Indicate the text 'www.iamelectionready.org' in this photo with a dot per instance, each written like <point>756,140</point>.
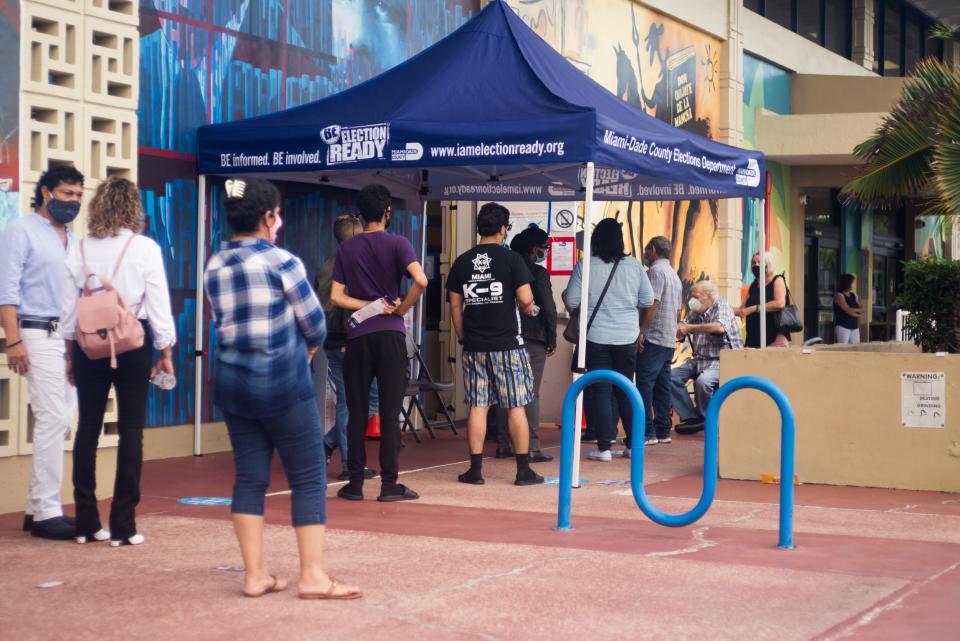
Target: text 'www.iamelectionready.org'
<point>535,148</point>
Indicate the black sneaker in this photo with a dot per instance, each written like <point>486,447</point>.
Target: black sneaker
<point>367,474</point>
<point>55,529</point>
<point>28,521</point>
<point>504,452</point>
<point>539,457</point>
<point>528,478</point>
<point>399,492</point>
<point>350,493</point>
<point>690,427</point>
<point>471,479</point>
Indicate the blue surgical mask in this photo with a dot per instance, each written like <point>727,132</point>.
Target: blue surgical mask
<point>541,256</point>
<point>63,211</point>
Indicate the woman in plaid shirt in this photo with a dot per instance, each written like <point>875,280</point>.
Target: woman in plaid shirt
<point>269,324</point>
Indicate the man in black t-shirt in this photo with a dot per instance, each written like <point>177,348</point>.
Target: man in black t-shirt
<point>489,286</point>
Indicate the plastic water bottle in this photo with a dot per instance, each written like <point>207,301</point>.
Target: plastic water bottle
<point>164,381</point>
<point>536,310</point>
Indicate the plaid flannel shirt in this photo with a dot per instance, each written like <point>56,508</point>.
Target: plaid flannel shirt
<point>706,347</point>
<point>266,314</point>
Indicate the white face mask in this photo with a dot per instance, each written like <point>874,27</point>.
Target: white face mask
<point>694,305</point>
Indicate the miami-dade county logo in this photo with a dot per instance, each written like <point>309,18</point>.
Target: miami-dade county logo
<point>413,151</point>
<point>354,144</point>
<point>481,262</point>
<point>749,176</point>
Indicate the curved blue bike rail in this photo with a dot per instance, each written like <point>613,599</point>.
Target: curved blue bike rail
<point>710,458</point>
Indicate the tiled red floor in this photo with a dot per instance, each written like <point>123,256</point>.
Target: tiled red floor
<point>915,582</point>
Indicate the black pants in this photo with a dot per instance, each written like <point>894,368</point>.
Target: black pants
<point>381,356</point>
<point>610,404</point>
<point>94,379</point>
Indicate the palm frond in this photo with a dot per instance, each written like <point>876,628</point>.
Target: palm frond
<point>946,159</point>
<point>898,165</point>
<point>898,155</point>
<point>946,32</point>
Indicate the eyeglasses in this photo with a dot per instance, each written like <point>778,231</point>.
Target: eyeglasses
<point>509,226</point>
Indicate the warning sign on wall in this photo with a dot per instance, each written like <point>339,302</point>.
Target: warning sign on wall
<point>923,399</point>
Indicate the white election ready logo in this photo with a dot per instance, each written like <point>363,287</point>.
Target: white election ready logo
<point>355,144</point>
<point>749,176</point>
<point>413,151</point>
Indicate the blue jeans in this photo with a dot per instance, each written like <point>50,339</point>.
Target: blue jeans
<point>608,403</point>
<point>296,435</point>
<point>653,381</point>
<point>337,437</point>
<point>705,383</point>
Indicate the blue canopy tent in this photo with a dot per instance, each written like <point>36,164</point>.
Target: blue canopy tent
<point>489,112</point>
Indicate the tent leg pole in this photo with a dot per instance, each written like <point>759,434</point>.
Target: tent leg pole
<point>762,280</point>
<point>584,306</point>
<point>198,346</point>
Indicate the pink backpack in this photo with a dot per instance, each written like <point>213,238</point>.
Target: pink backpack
<point>105,326</point>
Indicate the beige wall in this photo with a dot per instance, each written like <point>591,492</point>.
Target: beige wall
<point>158,443</point>
<point>847,408</point>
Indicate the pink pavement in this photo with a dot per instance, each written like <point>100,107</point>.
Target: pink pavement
<point>484,562</point>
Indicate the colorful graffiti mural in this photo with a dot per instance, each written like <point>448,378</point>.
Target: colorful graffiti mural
<point>9,111</point>
<point>765,86</point>
<point>207,62</point>
<point>669,70</point>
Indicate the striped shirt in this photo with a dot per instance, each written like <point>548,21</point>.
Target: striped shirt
<point>706,347</point>
<point>266,314</point>
<point>667,289</point>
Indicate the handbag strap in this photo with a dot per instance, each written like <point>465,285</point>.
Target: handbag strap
<point>603,293</point>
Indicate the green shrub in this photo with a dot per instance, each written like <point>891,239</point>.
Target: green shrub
<point>931,293</point>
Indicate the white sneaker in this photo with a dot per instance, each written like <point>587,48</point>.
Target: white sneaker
<point>651,441</point>
<point>99,535</point>
<point>665,440</point>
<point>597,455</point>
<point>626,452</point>
<point>136,539</point>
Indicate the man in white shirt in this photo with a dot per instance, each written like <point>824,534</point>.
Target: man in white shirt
<point>33,249</point>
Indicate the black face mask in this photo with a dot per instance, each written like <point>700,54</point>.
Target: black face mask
<point>63,211</point>
<point>756,271</point>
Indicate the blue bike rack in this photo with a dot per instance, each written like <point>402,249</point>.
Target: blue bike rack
<point>710,458</point>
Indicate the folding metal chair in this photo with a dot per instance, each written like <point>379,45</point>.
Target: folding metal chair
<point>423,384</point>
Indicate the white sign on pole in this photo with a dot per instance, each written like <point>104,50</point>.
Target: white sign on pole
<point>923,399</point>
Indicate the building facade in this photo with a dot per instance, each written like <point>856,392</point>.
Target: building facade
<point>119,88</point>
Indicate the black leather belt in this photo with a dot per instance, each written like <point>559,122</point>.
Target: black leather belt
<point>49,325</point>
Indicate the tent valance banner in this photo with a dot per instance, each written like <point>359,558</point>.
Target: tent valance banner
<point>490,112</point>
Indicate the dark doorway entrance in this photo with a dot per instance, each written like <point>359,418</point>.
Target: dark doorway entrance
<point>821,262</point>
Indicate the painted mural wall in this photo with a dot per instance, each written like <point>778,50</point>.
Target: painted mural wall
<point>668,69</point>
<point>9,111</point>
<point>205,61</point>
<point>766,86</point>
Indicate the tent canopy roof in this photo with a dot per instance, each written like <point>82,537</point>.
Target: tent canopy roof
<point>491,111</point>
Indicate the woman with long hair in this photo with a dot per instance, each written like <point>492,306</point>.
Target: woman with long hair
<point>115,253</point>
<point>269,324</point>
<point>847,311</point>
<point>615,328</point>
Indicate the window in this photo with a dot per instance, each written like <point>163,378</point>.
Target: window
<point>901,37</point>
<point>829,23</point>
<point>838,25</point>
<point>877,36</point>
<point>892,40</point>
<point>780,11</point>
<point>823,206</point>
<point>809,21</point>
<point>912,44</point>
